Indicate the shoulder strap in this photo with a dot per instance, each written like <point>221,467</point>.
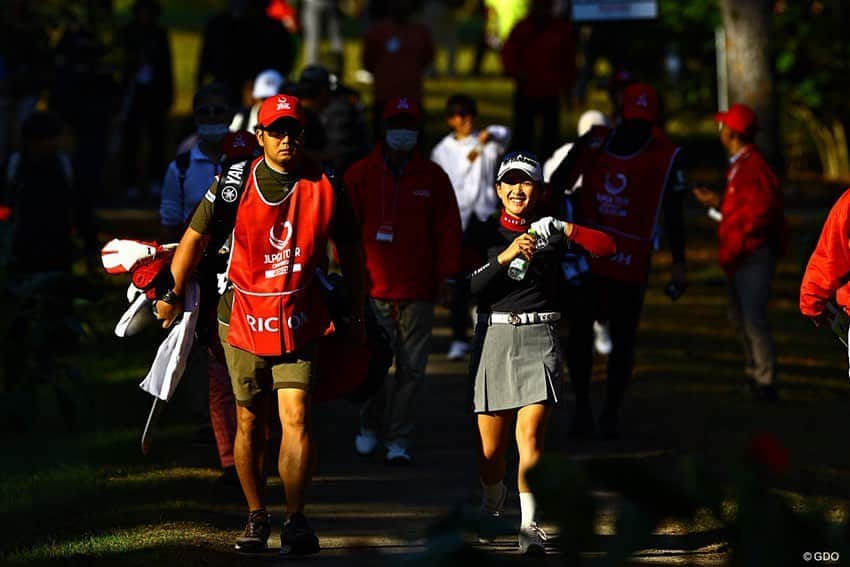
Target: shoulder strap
<point>231,185</point>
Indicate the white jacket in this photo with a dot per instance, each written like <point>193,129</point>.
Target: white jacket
<point>474,182</point>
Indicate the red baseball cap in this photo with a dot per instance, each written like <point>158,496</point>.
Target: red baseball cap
<point>239,145</point>
<point>739,118</point>
<point>402,105</point>
<point>277,107</point>
<point>640,102</point>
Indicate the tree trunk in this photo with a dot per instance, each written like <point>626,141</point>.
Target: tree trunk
<point>750,66</point>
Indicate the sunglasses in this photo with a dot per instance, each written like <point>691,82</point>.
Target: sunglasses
<point>460,113</point>
<point>278,133</point>
<point>211,110</point>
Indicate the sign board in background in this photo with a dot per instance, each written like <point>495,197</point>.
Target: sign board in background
<point>602,10</point>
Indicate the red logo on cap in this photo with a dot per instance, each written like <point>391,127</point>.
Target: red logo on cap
<point>402,104</point>
<point>642,102</point>
<point>283,104</point>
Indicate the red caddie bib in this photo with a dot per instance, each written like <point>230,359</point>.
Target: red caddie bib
<point>277,247</point>
<point>622,196</point>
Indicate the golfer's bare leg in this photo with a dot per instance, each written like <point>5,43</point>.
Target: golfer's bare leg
<point>531,426</point>
<point>249,448</point>
<point>494,432</point>
<point>296,446</point>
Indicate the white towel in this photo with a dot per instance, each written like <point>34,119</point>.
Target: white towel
<point>171,357</point>
<point>138,316</point>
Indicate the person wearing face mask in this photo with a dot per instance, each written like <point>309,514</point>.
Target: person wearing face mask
<point>412,237</point>
<point>186,181</point>
<point>516,359</point>
<point>188,176</point>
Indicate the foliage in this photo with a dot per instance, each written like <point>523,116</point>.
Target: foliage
<point>762,528</point>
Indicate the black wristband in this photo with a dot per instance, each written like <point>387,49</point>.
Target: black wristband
<point>170,297</point>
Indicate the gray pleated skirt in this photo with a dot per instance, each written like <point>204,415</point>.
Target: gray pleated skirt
<point>515,366</point>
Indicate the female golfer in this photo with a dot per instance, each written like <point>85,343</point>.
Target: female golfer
<point>516,359</point>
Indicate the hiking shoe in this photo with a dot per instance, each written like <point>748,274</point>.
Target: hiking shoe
<point>256,536</point>
<point>366,442</point>
<point>490,522</point>
<point>532,540</point>
<point>397,455</point>
<point>297,537</point>
<point>458,350</point>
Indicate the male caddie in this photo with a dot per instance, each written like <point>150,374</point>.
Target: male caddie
<point>273,313</point>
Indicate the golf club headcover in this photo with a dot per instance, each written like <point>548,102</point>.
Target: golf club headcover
<point>120,256</point>
<point>596,242</point>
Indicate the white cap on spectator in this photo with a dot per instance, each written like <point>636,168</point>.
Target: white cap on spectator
<point>589,119</point>
<point>267,84</point>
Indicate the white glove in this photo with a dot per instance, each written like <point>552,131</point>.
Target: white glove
<point>547,226</point>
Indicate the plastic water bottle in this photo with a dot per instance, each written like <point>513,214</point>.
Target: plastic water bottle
<point>519,265</point>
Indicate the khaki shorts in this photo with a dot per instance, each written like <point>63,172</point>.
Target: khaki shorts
<point>251,375</point>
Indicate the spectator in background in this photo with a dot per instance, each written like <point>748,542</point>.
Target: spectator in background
<point>241,42</point>
<point>186,182</point>
<point>630,175</point>
<point>469,157</point>
<point>48,203</point>
<point>267,83</point>
<point>82,94</point>
<point>314,15</point>
<point>188,176</point>
<point>26,66</point>
<point>574,263</point>
<point>335,109</point>
<point>148,88</point>
<point>411,238</point>
<point>397,52</point>
<point>540,56</point>
<point>439,16</point>
<point>751,235</point>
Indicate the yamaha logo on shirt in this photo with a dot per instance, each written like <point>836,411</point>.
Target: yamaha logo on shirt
<point>229,194</point>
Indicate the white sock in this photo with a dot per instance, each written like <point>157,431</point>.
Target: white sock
<point>492,497</point>
<point>528,509</point>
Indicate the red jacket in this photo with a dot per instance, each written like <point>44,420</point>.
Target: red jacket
<point>829,267</point>
<point>752,208</point>
<point>397,55</point>
<point>424,224</point>
<point>542,60</point>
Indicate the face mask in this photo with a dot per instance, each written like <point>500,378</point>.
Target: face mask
<point>402,140</point>
<point>212,132</point>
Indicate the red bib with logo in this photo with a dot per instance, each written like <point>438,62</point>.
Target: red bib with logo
<point>277,247</point>
<point>622,196</point>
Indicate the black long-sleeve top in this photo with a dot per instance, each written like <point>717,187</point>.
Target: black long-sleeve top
<point>626,140</point>
<point>495,291</point>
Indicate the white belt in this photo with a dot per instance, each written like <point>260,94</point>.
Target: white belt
<point>518,318</point>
